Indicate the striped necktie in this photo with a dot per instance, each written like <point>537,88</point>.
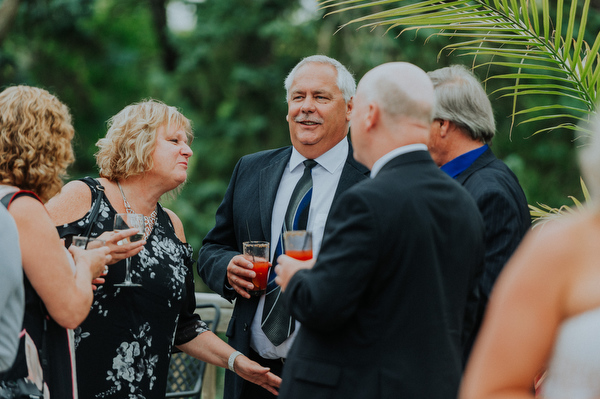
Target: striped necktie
<point>277,323</point>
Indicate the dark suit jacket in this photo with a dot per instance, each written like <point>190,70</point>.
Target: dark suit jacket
<point>505,212</point>
<point>382,310</point>
<point>248,204</point>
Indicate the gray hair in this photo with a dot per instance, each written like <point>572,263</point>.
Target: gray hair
<point>461,99</point>
<point>345,80</point>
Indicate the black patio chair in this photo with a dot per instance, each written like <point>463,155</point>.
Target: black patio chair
<point>186,373</point>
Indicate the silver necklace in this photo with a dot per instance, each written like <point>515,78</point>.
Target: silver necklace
<point>148,220</point>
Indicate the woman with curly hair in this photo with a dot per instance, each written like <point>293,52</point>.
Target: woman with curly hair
<point>124,345</point>
<point>35,151</point>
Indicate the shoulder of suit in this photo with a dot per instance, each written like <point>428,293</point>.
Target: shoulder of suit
<point>267,155</point>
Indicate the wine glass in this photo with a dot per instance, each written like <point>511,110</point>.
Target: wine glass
<point>124,221</point>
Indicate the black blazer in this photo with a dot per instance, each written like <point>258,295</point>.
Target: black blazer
<point>382,310</point>
<point>505,213</point>
<point>504,208</point>
<point>248,204</point>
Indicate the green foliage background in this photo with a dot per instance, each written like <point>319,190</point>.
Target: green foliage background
<point>226,75</point>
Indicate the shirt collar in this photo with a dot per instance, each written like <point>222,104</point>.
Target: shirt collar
<point>393,154</point>
<point>331,160</point>
<point>462,162</point>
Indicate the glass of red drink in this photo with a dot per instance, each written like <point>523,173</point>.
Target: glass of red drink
<point>258,252</point>
<point>298,244</point>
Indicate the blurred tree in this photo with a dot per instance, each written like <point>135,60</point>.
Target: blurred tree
<point>8,12</point>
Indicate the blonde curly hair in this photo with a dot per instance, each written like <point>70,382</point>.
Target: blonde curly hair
<point>35,140</point>
<point>131,138</point>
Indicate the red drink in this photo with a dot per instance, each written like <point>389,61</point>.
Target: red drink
<point>260,281</point>
<point>300,254</point>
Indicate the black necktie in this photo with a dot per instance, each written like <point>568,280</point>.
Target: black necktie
<point>277,323</point>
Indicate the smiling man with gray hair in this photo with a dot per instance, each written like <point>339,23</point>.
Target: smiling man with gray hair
<point>319,93</point>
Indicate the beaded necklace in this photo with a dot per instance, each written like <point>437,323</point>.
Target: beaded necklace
<point>148,220</point>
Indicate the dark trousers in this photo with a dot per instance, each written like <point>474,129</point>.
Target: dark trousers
<point>253,391</point>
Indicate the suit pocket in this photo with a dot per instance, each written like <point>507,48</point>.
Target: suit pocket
<point>317,373</point>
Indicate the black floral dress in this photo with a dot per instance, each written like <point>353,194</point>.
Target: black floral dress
<point>123,347</point>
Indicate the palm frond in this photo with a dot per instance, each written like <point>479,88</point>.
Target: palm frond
<point>544,213</point>
<point>542,45</point>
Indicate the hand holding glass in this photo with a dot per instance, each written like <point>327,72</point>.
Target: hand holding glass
<point>124,221</point>
<point>88,242</point>
<point>298,244</point>
<point>91,243</point>
<point>258,252</point>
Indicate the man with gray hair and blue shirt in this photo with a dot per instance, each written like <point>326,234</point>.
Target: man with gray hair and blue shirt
<point>319,93</point>
<point>459,143</point>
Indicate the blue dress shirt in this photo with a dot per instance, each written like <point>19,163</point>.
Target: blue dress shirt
<point>462,162</point>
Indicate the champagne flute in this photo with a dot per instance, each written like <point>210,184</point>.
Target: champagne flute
<point>124,221</point>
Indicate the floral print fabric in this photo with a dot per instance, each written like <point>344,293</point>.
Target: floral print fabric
<point>123,347</point>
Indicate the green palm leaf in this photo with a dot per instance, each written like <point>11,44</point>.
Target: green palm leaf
<point>538,46</point>
<point>548,57</point>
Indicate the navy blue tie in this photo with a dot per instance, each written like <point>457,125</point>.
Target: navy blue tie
<point>277,324</point>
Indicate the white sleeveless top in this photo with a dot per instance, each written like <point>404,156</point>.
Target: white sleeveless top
<point>574,368</point>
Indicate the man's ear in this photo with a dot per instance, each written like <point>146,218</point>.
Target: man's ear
<point>349,107</point>
<point>444,127</point>
<point>372,116</point>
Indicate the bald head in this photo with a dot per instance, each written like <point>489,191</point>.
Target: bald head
<point>400,89</point>
<point>393,107</point>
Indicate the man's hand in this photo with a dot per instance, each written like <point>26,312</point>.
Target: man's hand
<point>240,275</point>
<point>287,267</point>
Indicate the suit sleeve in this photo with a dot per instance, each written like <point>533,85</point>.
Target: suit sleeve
<point>503,232</point>
<point>344,268</point>
<point>220,245</point>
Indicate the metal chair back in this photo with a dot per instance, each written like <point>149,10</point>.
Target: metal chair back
<point>186,373</point>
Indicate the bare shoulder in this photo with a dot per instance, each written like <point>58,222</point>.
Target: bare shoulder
<point>71,203</point>
<point>550,257</point>
<point>177,225</point>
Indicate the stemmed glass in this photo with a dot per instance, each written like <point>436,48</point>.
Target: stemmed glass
<point>124,221</point>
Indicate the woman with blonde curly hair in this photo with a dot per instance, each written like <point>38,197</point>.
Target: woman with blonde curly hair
<point>35,151</point>
<point>144,155</point>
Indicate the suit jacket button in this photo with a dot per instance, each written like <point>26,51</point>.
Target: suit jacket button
<point>245,327</point>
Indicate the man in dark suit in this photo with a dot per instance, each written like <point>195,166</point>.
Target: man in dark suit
<point>382,308</point>
<point>319,95</point>
<point>461,133</point>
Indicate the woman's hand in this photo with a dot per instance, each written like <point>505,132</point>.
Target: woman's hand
<point>94,260</point>
<point>259,375</point>
<point>120,247</point>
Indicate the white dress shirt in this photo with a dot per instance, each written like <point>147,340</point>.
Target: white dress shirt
<point>326,176</point>
<point>393,154</point>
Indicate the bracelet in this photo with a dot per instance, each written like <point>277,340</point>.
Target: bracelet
<point>232,360</point>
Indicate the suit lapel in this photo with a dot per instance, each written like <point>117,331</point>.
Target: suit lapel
<point>352,173</point>
<point>269,179</point>
<point>484,159</point>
